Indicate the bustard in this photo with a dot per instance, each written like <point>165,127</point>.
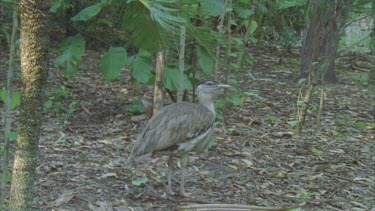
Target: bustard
<point>182,127</point>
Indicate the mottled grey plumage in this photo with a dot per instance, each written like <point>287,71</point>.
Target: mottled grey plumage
<point>182,126</point>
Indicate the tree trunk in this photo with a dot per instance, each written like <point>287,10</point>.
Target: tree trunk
<point>335,21</point>
<point>372,71</point>
<point>34,67</point>
<point>220,30</point>
<point>158,89</point>
<point>322,33</point>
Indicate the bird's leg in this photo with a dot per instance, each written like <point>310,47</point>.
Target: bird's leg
<point>183,168</point>
<point>170,170</point>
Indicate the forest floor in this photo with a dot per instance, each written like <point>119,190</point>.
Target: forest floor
<point>259,157</point>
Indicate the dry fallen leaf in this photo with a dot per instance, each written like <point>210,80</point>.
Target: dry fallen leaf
<point>109,175</point>
<point>63,198</point>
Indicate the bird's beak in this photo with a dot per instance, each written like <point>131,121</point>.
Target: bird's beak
<point>223,86</point>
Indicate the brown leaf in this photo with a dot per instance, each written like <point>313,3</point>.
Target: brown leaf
<point>63,198</point>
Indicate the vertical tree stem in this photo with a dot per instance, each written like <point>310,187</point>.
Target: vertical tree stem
<point>158,90</point>
<point>8,118</point>
<point>181,64</point>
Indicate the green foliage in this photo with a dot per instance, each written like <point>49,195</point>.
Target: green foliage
<point>284,4</point>
<point>211,8</point>
<point>170,79</point>
<point>139,182</point>
<point>303,197</point>
<point>59,5</point>
<point>141,68</point>
<point>57,103</point>
<point>16,98</point>
<point>112,63</point>
<point>293,123</point>
<point>271,118</point>
<point>360,125</point>
<point>12,136</point>
<point>211,143</point>
<point>136,107</point>
<point>71,49</point>
<point>150,22</point>
<point>88,12</point>
<point>204,61</point>
<point>316,151</point>
<point>9,178</point>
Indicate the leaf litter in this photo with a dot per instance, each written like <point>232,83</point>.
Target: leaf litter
<point>259,158</point>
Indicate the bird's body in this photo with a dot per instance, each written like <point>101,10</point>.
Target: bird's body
<point>175,126</point>
<point>181,127</point>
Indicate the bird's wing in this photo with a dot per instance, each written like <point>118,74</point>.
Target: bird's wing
<point>173,125</point>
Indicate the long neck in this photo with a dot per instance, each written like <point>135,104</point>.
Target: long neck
<point>206,101</point>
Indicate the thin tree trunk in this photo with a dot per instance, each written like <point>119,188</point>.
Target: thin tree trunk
<point>8,117</point>
<point>220,27</point>
<point>159,72</point>
<point>372,71</point>
<point>181,65</point>
<point>229,51</point>
<point>309,46</point>
<point>34,67</point>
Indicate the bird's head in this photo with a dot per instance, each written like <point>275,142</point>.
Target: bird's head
<point>209,89</point>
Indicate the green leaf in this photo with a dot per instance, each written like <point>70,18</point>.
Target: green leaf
<point>140,182</point>
<point>244,12</point>
<point>254,26</point>
<point>204,61</point>
<point>211,143</point>
<point>360,125</point>
<point>9,178</point>
<point>211,8</point>
<point>56,4</point>
<point>292,123</point>
<point>71,49</point>
<point>302,81</point>
<point>48,103</point>
<point>112,63</point>
<point>238,41</point>
<point>170,79</point>
<point>12,135</point>
<point>136,107</point>
<point>16,98</point>
<point>316,151</point>
<point>142,67</point>
<point>284,4</point>
<point>88,12</point>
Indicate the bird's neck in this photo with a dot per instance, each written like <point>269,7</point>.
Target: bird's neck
<point>207,102</point>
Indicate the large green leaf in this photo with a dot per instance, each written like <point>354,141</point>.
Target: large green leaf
<point>112,63</point>
<point>254,26</point>
<point>142,67</point>
<point>204,61</point>
<point>151,22</point>
<point>71,49</point>
<point>16,98</point>
<point>244,12</point>
<point>284,4</point>
<point>88,12</point>
<point>211,7</point>
<point>170,79</point>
